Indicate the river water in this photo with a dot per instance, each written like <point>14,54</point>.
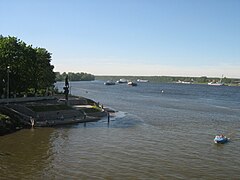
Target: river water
<point>161,131</point>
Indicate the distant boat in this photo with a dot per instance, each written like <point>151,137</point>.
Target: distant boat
<point>184,82</point>
<point>216,84</point>
<point>142,80</point>
<point>219,83</point>
<point>109,83</point>
<point>122,81</point>
<point>132,83</point>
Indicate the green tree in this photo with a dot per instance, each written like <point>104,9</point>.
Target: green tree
<point>12,54</point>
<point>58,76</point>
<point>44,75</point>
<point>74,76</point>
<point>203,79</point>
<point>30,67</point>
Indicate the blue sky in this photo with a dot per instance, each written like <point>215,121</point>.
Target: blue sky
<point>131,37</point>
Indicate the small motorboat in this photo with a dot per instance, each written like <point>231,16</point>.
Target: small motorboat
<point>132,83</point>
<point>109,83</point>
<point>142,80</point>
<point>221,139</point>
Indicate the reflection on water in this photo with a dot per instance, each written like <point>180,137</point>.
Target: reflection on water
<point>154,136</point>
<point>25,153</point>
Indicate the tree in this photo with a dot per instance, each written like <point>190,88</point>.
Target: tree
<point>44,76</point>
<point>74,76</point>
<point>203,79</point>
<point>30,68</point>
<point>12,55</point>
<point>58,76</point>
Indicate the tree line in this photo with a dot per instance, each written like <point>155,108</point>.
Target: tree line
<point>74,76</point>
<point>172,79</point>
<point>23,68</point>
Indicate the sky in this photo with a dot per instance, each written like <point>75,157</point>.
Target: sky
<point>131,37</point>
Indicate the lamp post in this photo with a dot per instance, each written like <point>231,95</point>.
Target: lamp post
<point>8,71</point>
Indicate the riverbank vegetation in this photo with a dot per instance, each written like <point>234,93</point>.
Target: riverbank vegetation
<point>24,70</point>
<point>74,76</point>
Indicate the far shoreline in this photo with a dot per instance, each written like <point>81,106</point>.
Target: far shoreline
<point>203,80</point>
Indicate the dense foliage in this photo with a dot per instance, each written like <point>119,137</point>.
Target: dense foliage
<point>8,125</point>
<point>74,76</point>
<point>29,68</point>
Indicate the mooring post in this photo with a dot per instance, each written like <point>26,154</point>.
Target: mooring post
<point>108,117</point>
<point>84,124</point>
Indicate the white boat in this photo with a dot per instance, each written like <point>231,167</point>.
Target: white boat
<point>184,82</point>
<point>109,83</point>
<point>142,80</point>
<point>216,84</point>
<point>132,83</point>
<point>219,83</point>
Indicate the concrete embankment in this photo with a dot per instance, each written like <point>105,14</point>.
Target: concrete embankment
<point>50,123</point>
<point>26,99</point>
<point>50,111</point>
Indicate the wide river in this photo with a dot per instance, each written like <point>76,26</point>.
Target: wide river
<point>161,131</point>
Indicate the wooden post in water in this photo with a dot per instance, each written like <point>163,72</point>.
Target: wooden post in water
<point>108,117</point>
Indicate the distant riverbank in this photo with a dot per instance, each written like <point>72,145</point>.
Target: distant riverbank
<point>174,79</point>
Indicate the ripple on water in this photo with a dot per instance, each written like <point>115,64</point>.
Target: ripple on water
<point>154,136</point>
